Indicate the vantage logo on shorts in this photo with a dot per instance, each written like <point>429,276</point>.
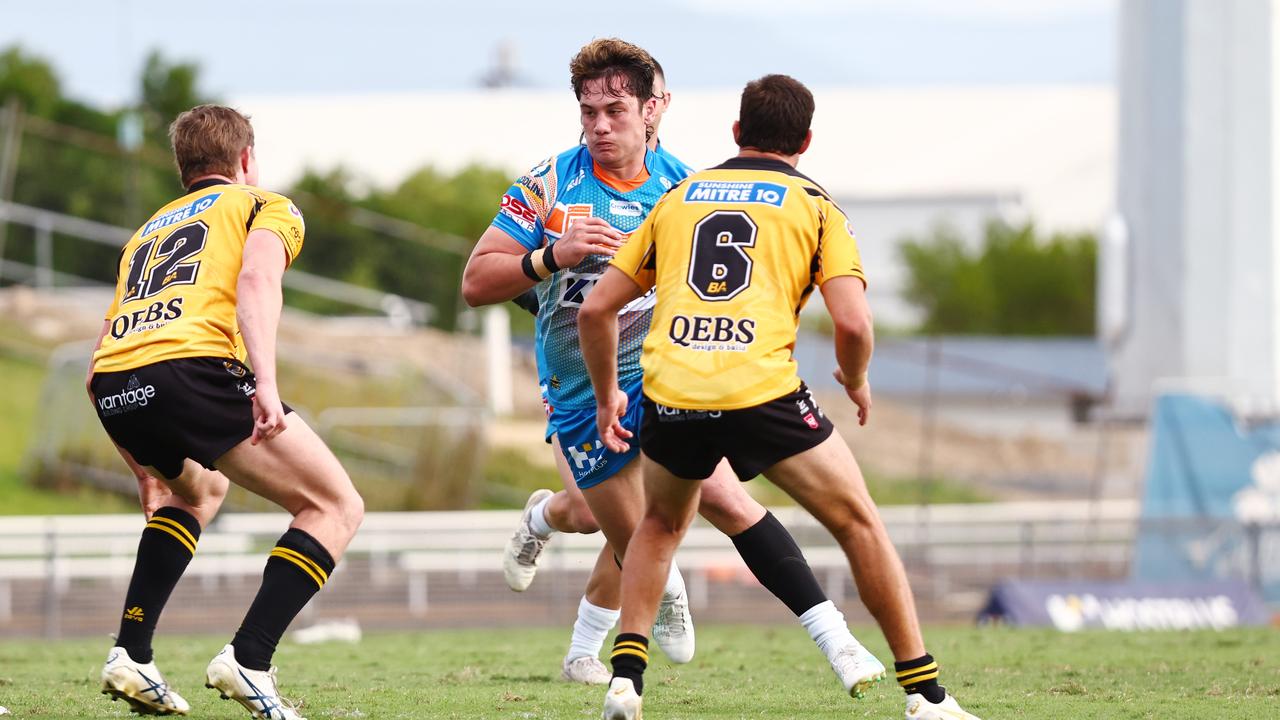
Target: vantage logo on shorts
<point>670,414</point>
<point>720,191</point>
<point>135,395</point>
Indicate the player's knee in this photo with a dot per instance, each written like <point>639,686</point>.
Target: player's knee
<point>581,519</point>
<point>351,510</point>
<point>853,517</point>
<point>212,496</point>
<point>667,526</point>
<point>343,508</point>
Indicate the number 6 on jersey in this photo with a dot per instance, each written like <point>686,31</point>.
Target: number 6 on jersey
<point>720,267</point>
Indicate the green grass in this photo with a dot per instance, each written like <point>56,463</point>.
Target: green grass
<point>18,404</point>
<point>739,672</point>
<point>512,472</point>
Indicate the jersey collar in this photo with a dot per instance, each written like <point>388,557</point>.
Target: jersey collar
<point>206,183</point>
<point>758,163</point>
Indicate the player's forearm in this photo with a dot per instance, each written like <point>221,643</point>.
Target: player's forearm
<point>855,341</point>
<point>598,338</point>
<point>258,302</point>
<point>494,278</point>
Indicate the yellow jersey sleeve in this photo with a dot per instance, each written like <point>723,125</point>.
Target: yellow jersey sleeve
<point>283,218</point>
<point>636,257</point>
<point>838,249</point>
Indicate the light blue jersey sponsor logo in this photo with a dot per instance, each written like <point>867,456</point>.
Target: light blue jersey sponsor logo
<point>724,191</point>
<point>177,215</point>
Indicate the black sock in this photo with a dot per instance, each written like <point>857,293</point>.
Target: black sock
<point>297,569</point>
<point>776,561</point>
<point>921,676</point>
<point>166,548</point>
<point>630,657</point>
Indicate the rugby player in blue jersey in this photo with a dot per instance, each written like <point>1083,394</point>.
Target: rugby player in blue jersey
<point>556,230</point>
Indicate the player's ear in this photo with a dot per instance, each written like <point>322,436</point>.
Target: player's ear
<point>649,110</point>
<point>808,136</point>
<point>248,166</point>
<point>737,131</point>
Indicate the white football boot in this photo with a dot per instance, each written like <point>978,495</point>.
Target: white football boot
<point>621,702</point>
<point>254,689</point>
<point>857,669</point>
<point>673,628</point>
<point>524,549</point>
<point>587,669</point>
<point>139,684</point>
<point>918,708</point>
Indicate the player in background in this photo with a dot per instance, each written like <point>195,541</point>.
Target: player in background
<point>532,223</point>
<point>198,292</point>
<point>733,254</point>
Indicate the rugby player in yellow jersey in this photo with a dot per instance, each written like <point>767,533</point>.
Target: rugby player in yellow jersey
<point>734,252</point>
<point>614,82</point>
<point>767,548</point>
<point>198,292</point>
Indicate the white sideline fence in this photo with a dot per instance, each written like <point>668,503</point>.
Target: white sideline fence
<point>67,575</point>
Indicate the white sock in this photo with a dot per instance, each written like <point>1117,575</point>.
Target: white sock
<point>538,520</point>
<point>675,582</point>
<point>590,629</point>
<point>827,628</point>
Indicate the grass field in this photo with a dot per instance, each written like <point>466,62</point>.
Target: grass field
<point>18,404</point>
<point>739,672</point>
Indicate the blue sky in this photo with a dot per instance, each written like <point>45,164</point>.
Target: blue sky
<point>289,47</point>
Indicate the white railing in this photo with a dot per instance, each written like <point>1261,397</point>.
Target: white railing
<point>42,274</point>
<point>58,573</point>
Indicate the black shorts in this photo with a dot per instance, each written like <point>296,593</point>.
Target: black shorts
<point>163,413</point>
<point>690,443</point>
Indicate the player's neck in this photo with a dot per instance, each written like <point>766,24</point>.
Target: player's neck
<point>791,160</point>
<point>239,180</point>
<point>623,171</point>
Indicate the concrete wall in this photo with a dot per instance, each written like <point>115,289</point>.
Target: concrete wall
<point>1197,187</point>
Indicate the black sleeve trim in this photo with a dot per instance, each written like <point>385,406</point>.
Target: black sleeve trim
<point>253,214</point>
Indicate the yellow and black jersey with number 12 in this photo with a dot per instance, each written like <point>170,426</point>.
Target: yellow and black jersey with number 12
<point>734,252</point>
<point>176,280</point>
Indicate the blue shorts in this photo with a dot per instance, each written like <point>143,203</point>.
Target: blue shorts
<point>589,460</point>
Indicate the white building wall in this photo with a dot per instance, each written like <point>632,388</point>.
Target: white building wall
<point>1150,192</point>
<point>1197,187</point>
<point>1273,266</point>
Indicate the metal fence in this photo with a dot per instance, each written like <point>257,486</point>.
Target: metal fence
<point>43,274</point>
<point>66,575</point>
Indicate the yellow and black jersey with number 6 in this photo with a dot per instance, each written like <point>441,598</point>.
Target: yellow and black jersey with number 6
<point>734,252</point>
<point>176,281</point>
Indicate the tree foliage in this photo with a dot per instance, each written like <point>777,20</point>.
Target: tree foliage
<point>71,162</point>
<point>1015,283</point>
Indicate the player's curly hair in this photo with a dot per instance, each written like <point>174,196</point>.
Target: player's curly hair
<point>208,140</point>
<point>627,69</point>
<point>775,114</point>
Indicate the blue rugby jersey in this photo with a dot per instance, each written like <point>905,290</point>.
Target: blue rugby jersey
<point>536,211</point>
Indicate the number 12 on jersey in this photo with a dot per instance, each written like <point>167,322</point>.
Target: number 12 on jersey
<point>173,254</point>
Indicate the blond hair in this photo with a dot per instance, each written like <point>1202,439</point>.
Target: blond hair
<point>208,140</point>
